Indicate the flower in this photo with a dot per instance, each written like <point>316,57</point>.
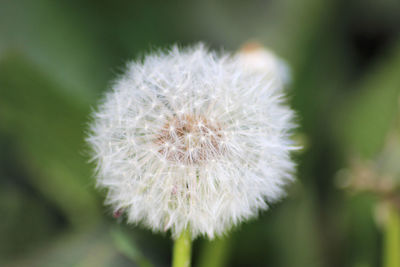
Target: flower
<point>259,59</point>
<point>192,139</point>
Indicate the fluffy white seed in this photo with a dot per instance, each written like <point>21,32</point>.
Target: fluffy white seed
<point>193,139</point>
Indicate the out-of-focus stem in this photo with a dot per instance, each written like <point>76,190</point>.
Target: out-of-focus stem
<point>215,253</point>
<point>392,239</point>
<point>182,250</point>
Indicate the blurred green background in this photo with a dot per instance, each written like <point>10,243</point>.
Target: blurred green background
<point>58,57</point>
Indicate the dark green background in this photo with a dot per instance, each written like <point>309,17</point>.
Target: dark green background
<point>57,57</point>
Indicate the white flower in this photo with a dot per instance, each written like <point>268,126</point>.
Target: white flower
<point>259,59</point>
<point>191,139</point>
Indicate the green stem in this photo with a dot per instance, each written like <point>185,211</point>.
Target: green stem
<point>392,239</point>
<point>182,250</point>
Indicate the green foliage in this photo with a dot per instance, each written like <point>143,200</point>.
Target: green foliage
<point>369,113</point>
<point>127,247</point>
<point>43,123</point>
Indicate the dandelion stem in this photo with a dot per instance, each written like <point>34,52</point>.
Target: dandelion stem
<point>182,250</point>
<point>392,239</point>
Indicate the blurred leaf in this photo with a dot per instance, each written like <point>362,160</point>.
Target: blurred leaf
<point>59,40</point>
<point>25,221</point>
<point>88,248</point>
<point>359,233</point>
<point>127,247</point>
<point>288,228</point>
<point>366,117</point>
<point>296,225</point>
<point>47,129</point>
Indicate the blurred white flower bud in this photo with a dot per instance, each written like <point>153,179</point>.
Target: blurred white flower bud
<point>259,59</point>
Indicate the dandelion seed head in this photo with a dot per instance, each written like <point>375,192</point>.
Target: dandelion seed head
<point>192,139</point>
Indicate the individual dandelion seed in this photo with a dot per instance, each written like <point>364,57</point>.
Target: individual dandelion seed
<point>192,140</point>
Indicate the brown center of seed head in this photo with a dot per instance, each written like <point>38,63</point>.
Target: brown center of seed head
<point>190,139</point>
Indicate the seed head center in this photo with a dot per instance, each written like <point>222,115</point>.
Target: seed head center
<point>190,139</point>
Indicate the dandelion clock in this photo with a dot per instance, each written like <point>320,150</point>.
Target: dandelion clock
<point>194,142</point>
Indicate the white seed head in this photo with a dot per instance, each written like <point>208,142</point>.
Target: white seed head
<point>259,59</point>
<point>191,139</point>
